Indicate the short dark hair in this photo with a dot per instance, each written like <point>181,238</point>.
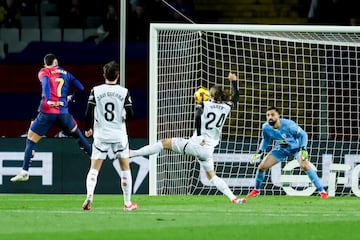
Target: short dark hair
<point>273,108</point>
<point>49,59</point>
<point>111,70</point>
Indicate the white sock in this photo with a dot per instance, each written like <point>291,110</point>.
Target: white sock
<point>222,187</point>
<point>147,150</point>
<point>126,186</point>
<point>91,181</point>
<point>24,172</point>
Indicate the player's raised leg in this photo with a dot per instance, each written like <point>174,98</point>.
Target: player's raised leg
<point>148,150</point>
<point>152,148</point>
<point>23,175</point>
<point>82,141</point>
<point>29,152</point>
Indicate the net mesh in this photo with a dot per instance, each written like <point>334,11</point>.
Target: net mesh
<point>313,78</point>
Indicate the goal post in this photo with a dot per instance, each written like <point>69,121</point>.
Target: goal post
<point>311,73</point>
<point>153,98</point>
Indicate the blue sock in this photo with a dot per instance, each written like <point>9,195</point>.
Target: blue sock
<point>30,146</point>
<point>315,179</point>
<point>259,178</point>
<point>82,141</point>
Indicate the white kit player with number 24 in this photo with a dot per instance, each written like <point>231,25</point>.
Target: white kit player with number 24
<point>210,117</point>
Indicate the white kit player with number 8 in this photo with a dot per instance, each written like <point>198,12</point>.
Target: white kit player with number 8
<point>108,107</point>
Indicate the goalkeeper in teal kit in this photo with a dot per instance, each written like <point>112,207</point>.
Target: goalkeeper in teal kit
<point>290,141</point>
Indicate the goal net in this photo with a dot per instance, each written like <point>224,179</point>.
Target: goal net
<point>311,73</point>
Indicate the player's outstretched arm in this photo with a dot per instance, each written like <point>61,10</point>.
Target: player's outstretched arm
<point>128,107</point>
<point>198,113</point>
<point>232,76</point>
<point>234,88</point>
<point>89,113</point>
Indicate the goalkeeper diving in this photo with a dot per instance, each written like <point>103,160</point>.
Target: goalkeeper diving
<point>290,142</point>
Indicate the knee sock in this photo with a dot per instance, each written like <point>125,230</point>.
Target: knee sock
<point>315,179</point>
<point>91,181</point>
<point>28,154</point>
<point>147,150</point>
<point>126,186</point>
<point>82,141</point>
<point>259,178</point>
<point>222,187</point>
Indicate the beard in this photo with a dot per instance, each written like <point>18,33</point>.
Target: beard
<point>272,123</point>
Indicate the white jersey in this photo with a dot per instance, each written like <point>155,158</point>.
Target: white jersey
<point>109,119</point>
<point>212,121</point>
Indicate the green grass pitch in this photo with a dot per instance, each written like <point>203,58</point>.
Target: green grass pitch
<point>42,216</point>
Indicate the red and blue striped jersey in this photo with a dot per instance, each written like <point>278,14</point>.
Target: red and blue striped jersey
<point>56,83</point>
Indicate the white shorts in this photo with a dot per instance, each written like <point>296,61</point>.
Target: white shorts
<point>192,147</point>
<point>100,150</point>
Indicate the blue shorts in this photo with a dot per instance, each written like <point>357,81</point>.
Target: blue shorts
<point>281,154</point>
<point>44,122</point>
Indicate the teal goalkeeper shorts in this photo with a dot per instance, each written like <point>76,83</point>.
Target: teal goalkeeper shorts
<point>282,154</point>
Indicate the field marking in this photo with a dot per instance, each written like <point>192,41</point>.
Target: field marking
<point>161,212</point>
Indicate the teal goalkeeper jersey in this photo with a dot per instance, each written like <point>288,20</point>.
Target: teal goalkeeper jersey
<point>289,135</point>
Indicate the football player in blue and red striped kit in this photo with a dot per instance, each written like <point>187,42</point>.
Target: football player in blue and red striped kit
<point>53,110</point>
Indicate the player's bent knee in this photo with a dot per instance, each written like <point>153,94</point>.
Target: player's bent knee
<point>124,164</point>
<point>304,165</point>
<point>210,174</point>
<point>33,136</point>
<point>74,129</point>
<point>262,167</point>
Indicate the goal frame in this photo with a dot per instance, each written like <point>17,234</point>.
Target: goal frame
<point>153,65</point>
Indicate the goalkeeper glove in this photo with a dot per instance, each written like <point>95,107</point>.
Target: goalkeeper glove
<point>304,154</point>
<point>255,157</point>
